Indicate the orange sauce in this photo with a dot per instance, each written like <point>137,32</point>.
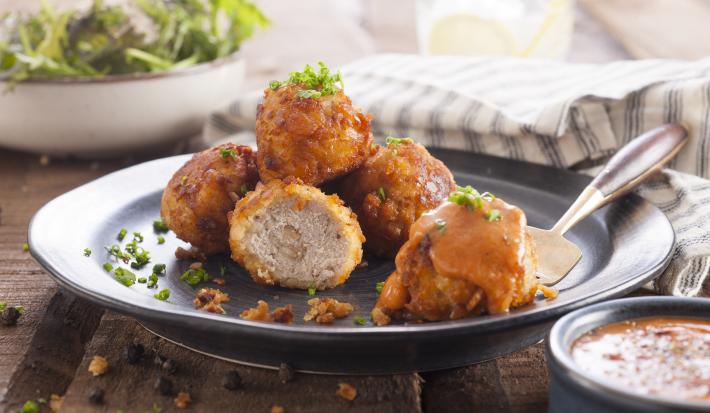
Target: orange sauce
<point>488,254</point>
<point>665,356</point>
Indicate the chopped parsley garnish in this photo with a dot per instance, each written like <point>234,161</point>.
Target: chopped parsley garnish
<point>108,266</point>
<point>160,226</point>
<point>137,237</point>
<point>396,141</point>
<point>142,280</point>
<point>163,294</point>
<point>440,224</point>
<point>195,276</point>
<point>121,234</point>
<point>124,276</point>
<point>226,153</point>
<point>161,239</point>
<point>379,286</point>
<point>314,83</point>
<point>244,189</point>
<point>359,320</point>
<point>152,280</point>
<point>381,194</point>
<point>159,269</point>
<point>25,247</point>
<point>87,252</point>
<point>492,215</point>
<point>311,291</point>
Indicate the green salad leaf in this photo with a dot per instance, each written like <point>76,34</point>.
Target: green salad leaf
<point>106,40</point>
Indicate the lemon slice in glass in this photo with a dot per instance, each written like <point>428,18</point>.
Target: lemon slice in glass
<point>468,34</point>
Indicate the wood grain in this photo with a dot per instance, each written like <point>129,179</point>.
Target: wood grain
<point>650,29</point>
<point>130,386</point>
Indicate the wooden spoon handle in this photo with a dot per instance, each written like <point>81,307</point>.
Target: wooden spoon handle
<point>631,165</point>
<point>639,159</point>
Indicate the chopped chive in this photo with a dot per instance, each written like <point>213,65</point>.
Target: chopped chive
<point>87,252</point>
<point>275,84</point>
<point>244,189</point>
<point>142,280</point>
<point>160,226</point>
<point>30,406</point>
<point>396,141</point>
<point>222,270</point>
<point>152,280</point>
<point>311,291</point>
<point>20,309</point>
<point>159,269</point>
<point>195,276</point>
<point>124,276</point>
<point>381,194</point>
<point>122,234</point>
<point>308,93</point>
<point>108,266</point>
<point>25,247</point>
<point>359,320</point>
<point>379,286</point>
<point>3,305</point>
<point>161,239</point>
<point>163,294</point>
<point>440,224</point>
<point>492,215</point>
<point>226,153</point>
<point>137,237</point>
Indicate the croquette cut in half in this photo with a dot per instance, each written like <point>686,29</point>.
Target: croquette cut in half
<point>293,235</point>
<point>197,199</point>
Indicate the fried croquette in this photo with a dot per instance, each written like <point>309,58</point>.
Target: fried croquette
<point>392,189</point>
<point>197,199</point>
<point>307,128</point>
<point>290,234</point>
<point>470,256</point>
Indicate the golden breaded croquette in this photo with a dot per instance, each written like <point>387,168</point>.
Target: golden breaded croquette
<point>307,128</point>
<point>290,234</point>
<point>470,255</point>
<point>392,189</point>
<point>201,193</point>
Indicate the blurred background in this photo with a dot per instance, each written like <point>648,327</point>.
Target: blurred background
<point>578,31</point>
<point>90,121</point>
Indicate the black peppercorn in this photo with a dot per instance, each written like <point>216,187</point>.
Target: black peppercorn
<point>9,316</point>
<point>169,366</point>
<point>164,386</point>
<point>134,352</point>
<point>232,380</point>
<point>158,360</point>
<point>286,373</point>
<point>96,396</point>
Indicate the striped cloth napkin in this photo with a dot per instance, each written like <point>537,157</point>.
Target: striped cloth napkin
<point>558,114</point>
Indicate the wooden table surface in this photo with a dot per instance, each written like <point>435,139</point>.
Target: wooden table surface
<point>48,352</point>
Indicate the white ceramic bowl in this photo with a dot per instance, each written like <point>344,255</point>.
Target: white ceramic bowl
<point>115,114</point>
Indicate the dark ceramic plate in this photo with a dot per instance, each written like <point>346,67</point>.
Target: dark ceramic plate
<point>624,245</point>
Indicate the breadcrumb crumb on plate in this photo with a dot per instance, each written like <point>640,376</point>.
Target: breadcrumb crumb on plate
<point>326,310</point>
<point>98,366</point>
<point>346,391</point>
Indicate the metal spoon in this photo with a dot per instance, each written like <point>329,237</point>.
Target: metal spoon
<point>630,166</point>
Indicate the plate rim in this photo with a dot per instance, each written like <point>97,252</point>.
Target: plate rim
<point>201,320</point>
